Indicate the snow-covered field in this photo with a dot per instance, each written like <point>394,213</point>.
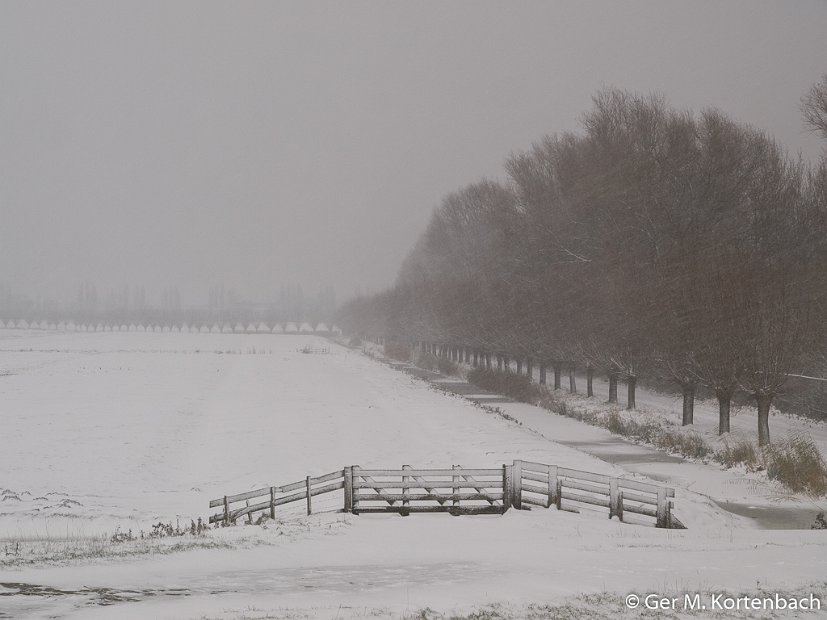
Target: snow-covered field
<point>117,431</point>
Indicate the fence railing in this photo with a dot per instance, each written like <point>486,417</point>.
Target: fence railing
<point>304,490</point>
<point>537,484</point>
<point>459,491</point>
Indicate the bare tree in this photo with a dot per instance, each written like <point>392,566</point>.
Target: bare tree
<point>814,107</point>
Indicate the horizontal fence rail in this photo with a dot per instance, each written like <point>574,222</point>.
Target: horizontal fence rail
<point>267,499</point>
<point>537,484</point>
<point>459,491</point>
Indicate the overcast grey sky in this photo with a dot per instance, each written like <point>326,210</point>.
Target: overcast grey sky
<point>260,143</point>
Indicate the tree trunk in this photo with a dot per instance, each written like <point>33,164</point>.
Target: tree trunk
<point>764,402</point>
<point>529,369</point>
<point>572,382</point>
<point>519,365</point>
<point>724,402</point>
<point>557,370</point>
<point>542,374</point>
<point>589,380</point>
<point>631,384</point>
<point>613,387</point>
<point>688,404</point>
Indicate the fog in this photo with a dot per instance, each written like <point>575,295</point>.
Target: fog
<point>254,145</point>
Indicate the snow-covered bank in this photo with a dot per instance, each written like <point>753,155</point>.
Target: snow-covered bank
<point>745,492</point>
<point>139,428</point>
<point>389,566</point>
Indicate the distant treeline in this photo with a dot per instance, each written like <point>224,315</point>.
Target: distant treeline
<point>653,242</point>
<point>130,305</point>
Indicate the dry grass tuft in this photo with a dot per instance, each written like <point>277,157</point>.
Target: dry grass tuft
<point>735,452</point>
<point>797,464</point>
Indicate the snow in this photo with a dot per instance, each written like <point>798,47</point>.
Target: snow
<point>145,427</point>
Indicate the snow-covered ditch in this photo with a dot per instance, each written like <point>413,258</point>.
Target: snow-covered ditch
<point>107,432</point>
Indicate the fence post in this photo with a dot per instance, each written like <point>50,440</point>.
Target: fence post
<point>226,511</point>
<point>308,495</point>
<point>552,485</point>
<point>559,494</point>
<point>273,503</point>
<point>405,502</point>
<point>456,489</point>
<point>620,505</point>
<point>613,490</point>
<point>354,473</point>
<point>348,489</point>
<point>663,509</point>
<point>517,484</point>
<point>506,487</point>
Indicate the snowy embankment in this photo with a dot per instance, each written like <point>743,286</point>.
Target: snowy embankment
<point>131,429</point>
<point>747,492</point>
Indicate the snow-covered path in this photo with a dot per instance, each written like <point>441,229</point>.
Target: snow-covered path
<point>753,497</point>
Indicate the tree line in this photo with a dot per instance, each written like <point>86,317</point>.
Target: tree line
<point>654,242</point>
<point>130,305</point>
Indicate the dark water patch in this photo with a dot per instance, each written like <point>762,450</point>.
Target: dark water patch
<point>98,596</point>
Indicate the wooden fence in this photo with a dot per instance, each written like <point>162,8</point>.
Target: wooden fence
<point>537,484</point>
<point>458,491</point>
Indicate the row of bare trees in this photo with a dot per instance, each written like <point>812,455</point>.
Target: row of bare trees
<point>653,242</point>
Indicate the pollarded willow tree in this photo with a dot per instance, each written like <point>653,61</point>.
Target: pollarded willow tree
<point>652,241</point>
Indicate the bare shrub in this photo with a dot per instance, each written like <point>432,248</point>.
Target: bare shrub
<point>740,452</point>
<point>798,464</point>
<point>690,445</point>
<point>518,387</point>
<point>646,430</point>
<point>398,350</point>
<point>447,367</point>
<point>614,423</point>
<point>427,361</point>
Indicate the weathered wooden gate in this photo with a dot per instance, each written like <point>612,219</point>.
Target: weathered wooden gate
<point>459,491</point>
<point>456,490</point>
